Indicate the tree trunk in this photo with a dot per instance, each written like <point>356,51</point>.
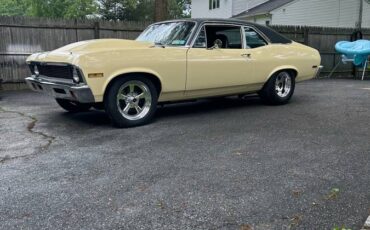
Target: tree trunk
<point>161,11</point>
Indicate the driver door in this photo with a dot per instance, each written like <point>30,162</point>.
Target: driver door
<point>218,60</point>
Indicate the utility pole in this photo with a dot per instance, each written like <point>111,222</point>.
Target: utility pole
<point>161,10</point>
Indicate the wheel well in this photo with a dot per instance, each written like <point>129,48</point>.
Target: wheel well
<point>291,71</point>
<point>154,79</point>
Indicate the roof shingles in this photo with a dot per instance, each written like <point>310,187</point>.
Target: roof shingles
<point>263,8</point>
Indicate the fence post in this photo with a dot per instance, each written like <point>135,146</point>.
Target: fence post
<point>76,30</point>
<point>96,30</point>
<point>305,35</point>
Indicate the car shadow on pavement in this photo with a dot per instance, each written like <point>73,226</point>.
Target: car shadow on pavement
<point>93,117</point>
<point>100,118</point>
<point>208,106</point>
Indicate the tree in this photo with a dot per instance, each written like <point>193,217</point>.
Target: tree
<point>49,8</point>
<point>136,10</point>
<point>179,8</point>
<point>141,9</point>
<point>61,8</point>
<point>12,7</point>
<point>123,10</point>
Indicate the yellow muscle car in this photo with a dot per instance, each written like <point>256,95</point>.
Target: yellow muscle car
<point>173,61</point>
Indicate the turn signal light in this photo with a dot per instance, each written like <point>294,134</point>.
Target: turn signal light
<point>95,75</point>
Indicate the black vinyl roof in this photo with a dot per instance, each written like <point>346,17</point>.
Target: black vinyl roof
<point>273,36</point>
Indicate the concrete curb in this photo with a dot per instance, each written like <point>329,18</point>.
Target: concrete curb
<point>367,224</point>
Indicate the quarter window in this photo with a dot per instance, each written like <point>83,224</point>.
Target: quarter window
<point>214,4</point>
<point>253,39</point>
<point>201,40</point>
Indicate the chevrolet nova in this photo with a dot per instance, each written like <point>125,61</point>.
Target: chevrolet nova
<point>173,61</point>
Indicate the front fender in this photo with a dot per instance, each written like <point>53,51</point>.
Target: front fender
<point>99,86</point>
<point>130,71</point>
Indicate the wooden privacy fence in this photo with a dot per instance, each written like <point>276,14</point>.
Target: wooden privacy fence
<point>324,40</point>
<point>20,36</point>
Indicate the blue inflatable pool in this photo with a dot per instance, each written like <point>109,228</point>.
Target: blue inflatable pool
<point>358,50</point>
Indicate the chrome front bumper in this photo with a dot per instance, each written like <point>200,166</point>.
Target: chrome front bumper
<point>318,71</point>
<point>73,92</point>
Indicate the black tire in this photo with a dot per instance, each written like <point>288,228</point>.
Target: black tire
<point>73,107</point>
<point>272,95</point>
<point>98,106</point>
<point>115,107</point>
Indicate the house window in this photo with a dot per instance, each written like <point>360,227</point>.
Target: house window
<point>214,4</point>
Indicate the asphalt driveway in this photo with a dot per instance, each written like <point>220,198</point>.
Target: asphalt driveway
<point>212,164</point>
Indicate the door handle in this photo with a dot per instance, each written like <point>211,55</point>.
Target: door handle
<point>246,55</point>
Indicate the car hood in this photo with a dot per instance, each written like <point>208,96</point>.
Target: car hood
<point>71,52</point>
<point>103,44</point>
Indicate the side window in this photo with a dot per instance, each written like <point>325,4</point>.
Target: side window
<point>253,39</point>
<point>225,37</point>
<point>201,39</point>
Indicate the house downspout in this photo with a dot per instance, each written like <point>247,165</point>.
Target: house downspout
<point>232,9</point>
<point>358,29</point>
<point>361,12</point>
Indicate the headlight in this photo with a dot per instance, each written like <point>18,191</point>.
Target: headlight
<point>36,70</point>
<point>76,76</point>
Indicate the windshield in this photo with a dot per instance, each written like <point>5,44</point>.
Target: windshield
<point>171,33</point>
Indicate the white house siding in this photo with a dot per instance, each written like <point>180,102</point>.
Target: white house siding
<point>200,9</point>
<point>261,19</point>
<point>366,15</point>
<point>333,13</point>
<point>228,8</point>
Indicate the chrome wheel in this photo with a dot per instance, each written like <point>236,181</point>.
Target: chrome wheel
<point>134,100</point>
<point>283,84</point>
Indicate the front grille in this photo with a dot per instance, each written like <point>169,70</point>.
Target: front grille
<point>53,71</point>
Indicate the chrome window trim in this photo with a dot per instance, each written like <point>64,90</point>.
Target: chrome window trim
<point>242,38</point>
<point>217,24</point>
<point>228,24</point>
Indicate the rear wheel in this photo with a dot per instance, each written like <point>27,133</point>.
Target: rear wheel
<point>72,106</point>
<point>279,89</point>
<point>131,101</point>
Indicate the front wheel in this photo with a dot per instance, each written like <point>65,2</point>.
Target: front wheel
<point>279,89</point>
<point>131,101</point>
<point>72,106</point>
